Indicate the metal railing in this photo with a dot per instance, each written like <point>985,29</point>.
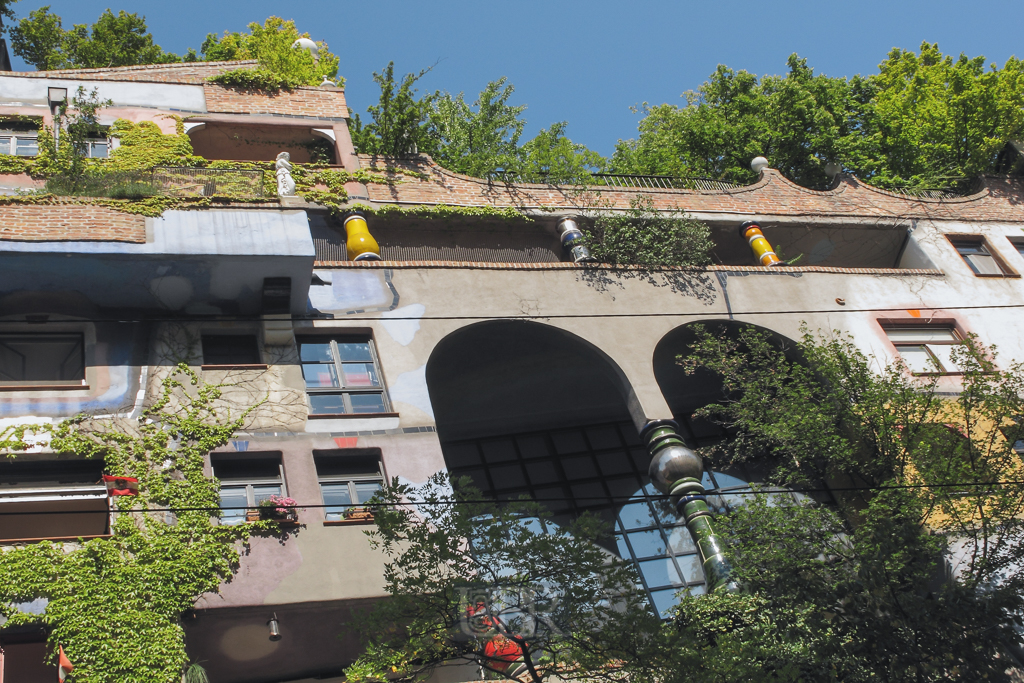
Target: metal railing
<point>207,182</point>
<point>631,181</point>
<point>957,187</point>
<point>167,181</point>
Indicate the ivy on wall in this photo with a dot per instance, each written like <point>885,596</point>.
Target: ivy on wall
<point>115,603</point>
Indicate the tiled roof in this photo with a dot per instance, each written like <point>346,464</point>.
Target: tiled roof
<point>999,199</point>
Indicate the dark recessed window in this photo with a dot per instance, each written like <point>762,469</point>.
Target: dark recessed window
<point>41,358</point>
<point>52,498</point>
<point>231,349</point>
<point>342,375</point>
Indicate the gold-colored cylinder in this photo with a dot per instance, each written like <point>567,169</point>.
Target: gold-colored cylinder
<point>359,242</point>
<point>763,252</point>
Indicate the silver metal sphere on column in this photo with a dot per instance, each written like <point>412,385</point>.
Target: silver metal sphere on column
<point>672,464</point>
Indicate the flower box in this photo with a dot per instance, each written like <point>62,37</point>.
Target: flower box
<point>359,515</point>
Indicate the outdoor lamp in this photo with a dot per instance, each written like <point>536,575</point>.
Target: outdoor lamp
<point>275,628</point>
<point>56,96</point>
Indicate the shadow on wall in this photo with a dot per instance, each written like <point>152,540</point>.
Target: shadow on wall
<point>503,377</point>
<point>687,393</point>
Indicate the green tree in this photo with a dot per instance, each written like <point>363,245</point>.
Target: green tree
<point>799,122</point>
<point>6,13</point>
<point>481,141</point>
<point>912,574</point>
<point>551,157</point>
<point>114,40</point>
<point>495,585</point>
<point>398,124</point>
<point>271,45</point>
<point>935,117</point>
<point>64,156</point>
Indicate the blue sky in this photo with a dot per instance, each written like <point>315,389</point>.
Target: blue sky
<point>587,62</point>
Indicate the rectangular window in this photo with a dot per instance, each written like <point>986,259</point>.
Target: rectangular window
<point>43,359</point>
<point>976,253</point>
<point>926,349</point>
<point>246,482</point>
<point>342,376</point>
<point>52,498</point>
<point>347,482</point>
<point>230,349</point>
<point>5,144</point>
<point>26,146</point>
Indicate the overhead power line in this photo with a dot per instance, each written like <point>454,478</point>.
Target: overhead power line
<point>537,316</point>
<point>753,491</point>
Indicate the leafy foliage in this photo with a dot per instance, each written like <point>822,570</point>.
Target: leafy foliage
<point>477,142</point>
<point>114,603</point>
<point>399,120</point>
<point>799,122</point>
<point>64,157</point>
<point>553,592</point>
<point>479,139</point>
<point>644,236</point>
<point>911,579</point>
<point>923,119</point>
<point>114,40</point>
<point>280,65</point>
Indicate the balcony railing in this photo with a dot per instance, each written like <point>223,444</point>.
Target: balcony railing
<point>166,181</point>
<point>630,181</point>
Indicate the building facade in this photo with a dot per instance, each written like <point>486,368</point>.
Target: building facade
<point>473,345</point>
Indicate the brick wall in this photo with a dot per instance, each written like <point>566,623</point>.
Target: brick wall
<point>1000,199</point>
<point>69,223</point>
<point>192,73</point>
<point>302,101</point>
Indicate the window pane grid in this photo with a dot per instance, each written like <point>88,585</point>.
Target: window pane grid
<point>342,376</point>
<point>572,470</point>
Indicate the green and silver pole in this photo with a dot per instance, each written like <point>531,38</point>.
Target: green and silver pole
<point>677,471</point>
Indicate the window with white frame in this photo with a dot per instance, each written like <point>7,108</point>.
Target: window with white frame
<point>346,481</point>
<point>925,349</point>
<point>978,256</point>
<point>20,143</point>
<point>246,480</point>
<point>342,375</point>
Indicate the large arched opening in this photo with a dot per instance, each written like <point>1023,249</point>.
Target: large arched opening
<point>524,408</point>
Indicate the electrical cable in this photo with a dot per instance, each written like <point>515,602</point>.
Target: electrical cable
<point>549,316</point>
<point>624,499</point>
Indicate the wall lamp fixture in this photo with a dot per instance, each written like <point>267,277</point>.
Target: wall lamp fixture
<point>275,627</point>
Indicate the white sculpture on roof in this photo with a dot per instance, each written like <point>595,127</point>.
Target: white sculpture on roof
<point>285,182</point>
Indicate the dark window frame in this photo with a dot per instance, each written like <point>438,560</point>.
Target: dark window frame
<point>251,362</point>
<point>78,382</point>
<point>338,364</point>
<point>945,324</point>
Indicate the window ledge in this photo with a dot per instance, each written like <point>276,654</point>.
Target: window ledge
<point>345,416</point>
<point>1009,275</point>
<point>238,366</point>
<point>44,387</point>
<point>8,541</point>
<point>348,522</point>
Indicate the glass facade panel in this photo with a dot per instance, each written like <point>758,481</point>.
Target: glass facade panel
<point>366,490</point>
<point>327,404</point>
<point>918,359</point>
<point>26,147</point>
<point>922,334</point>
<point>338,497</point>
<point>360,375</point>
<point>233,497</point>
<point>354,351</point>
<point>320,375</point>
<point>367,403</point>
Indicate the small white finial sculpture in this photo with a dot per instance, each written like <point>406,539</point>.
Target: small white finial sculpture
<point>758,164</point>
<point>285,182</point>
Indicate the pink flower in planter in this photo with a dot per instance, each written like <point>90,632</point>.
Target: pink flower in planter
<point>281,504</point>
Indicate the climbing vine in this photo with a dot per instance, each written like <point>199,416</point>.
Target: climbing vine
<point>114,604</point>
